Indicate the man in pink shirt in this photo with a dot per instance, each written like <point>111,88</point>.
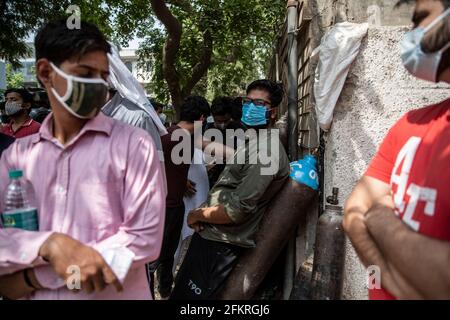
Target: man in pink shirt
<point>98,183</point>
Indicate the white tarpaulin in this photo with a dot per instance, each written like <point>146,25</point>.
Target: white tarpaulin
<point>128,87</point>
<point>338,49</point>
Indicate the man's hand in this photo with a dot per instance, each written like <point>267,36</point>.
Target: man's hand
<point>198,227</point>
<point>13,286</point>
<point>368,194</point>
<point>62,251</point>
<point>411,255</point>
<point>193,220</point>
<point>190,189</point>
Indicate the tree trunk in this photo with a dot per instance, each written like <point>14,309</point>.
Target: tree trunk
<point>202,65</point>
<point>170,51</point>
<point>171,47</point>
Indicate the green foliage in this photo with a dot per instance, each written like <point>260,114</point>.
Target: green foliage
<point>119,20</point>
<point>17,19</point>
<point>14,79</point>
<point>243,34</point>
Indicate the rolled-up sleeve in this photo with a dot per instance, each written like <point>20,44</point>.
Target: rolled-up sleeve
<point>244,200</point>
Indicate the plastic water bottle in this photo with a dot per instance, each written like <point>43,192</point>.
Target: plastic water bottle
<point>19,210</point>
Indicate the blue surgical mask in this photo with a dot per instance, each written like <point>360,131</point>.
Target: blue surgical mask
<point>254,116</point>
<point>422,65</point>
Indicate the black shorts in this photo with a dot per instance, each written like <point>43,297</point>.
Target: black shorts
<point>205,268</point>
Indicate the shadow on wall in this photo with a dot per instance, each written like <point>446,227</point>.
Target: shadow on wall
<point>358,89</point>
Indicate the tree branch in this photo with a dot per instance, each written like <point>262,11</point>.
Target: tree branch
<point>231,58</point>
<point>203,64</point>
<point>171,47</point>
<point>182,4</point>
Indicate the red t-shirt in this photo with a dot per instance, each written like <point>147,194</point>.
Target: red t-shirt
<point>414,159</point>
<point>28,128</point>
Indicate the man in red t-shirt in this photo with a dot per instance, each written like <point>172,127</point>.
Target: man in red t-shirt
<point>17,107</point>
<point>398,215</point>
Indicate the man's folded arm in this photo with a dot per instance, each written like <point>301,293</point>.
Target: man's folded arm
<point>247,195</point>
<point>368,193</point>
<point>421,260</point>
<point>144,205</point>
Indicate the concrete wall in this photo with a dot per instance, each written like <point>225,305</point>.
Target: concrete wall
<point>378,91</point>
<point>360,10</point>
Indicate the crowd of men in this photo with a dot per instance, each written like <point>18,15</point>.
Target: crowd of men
<point>108,179</point>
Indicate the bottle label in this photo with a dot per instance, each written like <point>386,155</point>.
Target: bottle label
<point>26,219</point>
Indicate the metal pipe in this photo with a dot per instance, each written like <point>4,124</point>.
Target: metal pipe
<point>292,21</point>
<point>292,79</point>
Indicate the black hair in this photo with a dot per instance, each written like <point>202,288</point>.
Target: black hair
<point>236,111</point>
<point>193,108</point>
<point>275,90</point>
<point>222,106</point>
<point>57,43</point>
<point>26,96</point>
<point>157,105</point>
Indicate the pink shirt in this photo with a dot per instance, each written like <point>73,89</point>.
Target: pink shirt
<point>105,188</point>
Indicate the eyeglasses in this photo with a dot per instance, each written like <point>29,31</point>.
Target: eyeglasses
<point>256,102</point>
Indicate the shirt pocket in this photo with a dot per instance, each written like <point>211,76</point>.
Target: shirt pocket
<point>100,204</point>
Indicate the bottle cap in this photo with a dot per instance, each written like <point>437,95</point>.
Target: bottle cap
<point>15,174</point>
